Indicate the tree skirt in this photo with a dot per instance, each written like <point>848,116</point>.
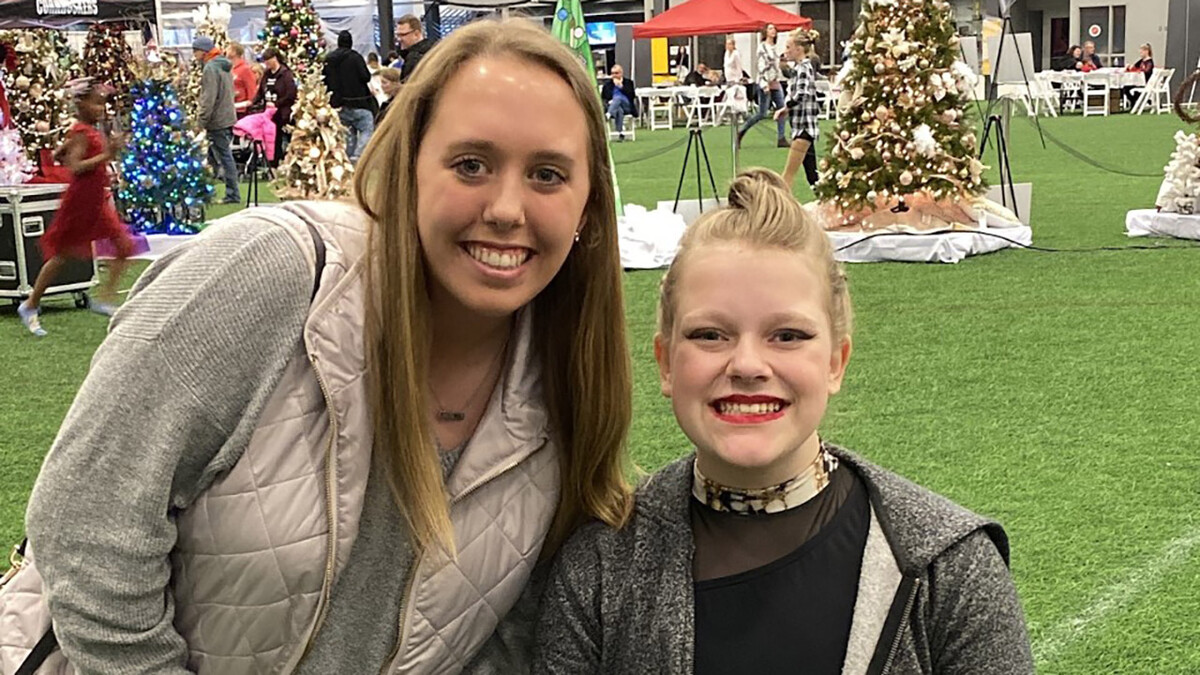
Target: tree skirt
<point>1151,223</point>
<point>928,233</point>
<point>146,247</point>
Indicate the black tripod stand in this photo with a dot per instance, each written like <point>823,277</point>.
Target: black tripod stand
<point>995,123</point>
<point>695,135</point>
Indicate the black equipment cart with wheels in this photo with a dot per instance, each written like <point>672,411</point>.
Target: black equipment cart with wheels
<point>25,213</point>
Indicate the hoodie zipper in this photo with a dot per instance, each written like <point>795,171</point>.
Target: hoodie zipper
<point>908,605</point>
<point>330,521</point>
<point>405,605</point>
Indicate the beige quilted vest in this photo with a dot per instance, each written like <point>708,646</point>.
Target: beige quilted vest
<point>259,550</point>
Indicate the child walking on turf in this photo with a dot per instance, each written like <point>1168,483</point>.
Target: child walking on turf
<point>770,550</point>
<point>86,213</point>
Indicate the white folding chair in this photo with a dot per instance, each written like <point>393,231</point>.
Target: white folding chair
<point>662,110</point>
<point>1042,95</point>
<point>1162,95</point>
<point>1143,103</point>
<point>1095,94</point>
<point>704,106</point>
<point>825,99</point>
<point>1070,93</point>
<point>629,124</point>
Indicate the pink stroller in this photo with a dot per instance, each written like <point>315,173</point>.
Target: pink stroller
<point>254,137</point>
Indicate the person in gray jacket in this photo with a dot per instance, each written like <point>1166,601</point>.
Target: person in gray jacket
<point>769,550</point>
<point>217,112</point>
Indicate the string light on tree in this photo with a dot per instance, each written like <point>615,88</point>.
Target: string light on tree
<point>902,105</point>
<point>164,181</point>
<point>316,165</point>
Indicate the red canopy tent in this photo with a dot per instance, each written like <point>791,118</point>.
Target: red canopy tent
<point>708,17</point>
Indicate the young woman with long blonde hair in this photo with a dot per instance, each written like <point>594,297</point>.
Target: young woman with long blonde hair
<point>357,471</point>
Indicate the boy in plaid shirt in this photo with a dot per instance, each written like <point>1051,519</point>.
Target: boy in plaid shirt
<point>802,106</point>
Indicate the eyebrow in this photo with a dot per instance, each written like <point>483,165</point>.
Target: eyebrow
<point>486,147</point>
<point>774,319</point>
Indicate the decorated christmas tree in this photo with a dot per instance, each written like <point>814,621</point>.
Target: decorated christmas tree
<point>211,20</point>
<point>108,59</point>
<point>15,167</point>
<point>316,165</point>
<point>164,180</point>
<point>294,28</point>
<point>41,108</point>
<point>902,139</point>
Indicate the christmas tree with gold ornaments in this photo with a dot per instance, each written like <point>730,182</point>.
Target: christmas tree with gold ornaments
<point>41,107</point>
<point>108,59</point>
<point>903,152</point>
<point>316,165</point>
<point>211,20</point>
<point>294,29</point>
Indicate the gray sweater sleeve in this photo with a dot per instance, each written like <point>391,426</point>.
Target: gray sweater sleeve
<point>980,626</point>
<point>171,397</point>
<point>569,638</point>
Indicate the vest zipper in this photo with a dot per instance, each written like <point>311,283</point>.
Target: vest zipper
<point>406,609</point>
<point>330,521</point>
<point>406,605</point>
<point>908,605</point>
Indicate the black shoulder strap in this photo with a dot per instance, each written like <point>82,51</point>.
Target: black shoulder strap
<point>41,652</point>
<point>319,244</point>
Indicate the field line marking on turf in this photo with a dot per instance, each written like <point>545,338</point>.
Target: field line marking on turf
<point>1135,585</point>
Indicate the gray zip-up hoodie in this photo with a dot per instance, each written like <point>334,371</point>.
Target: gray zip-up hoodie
<point>934,594</point>
<point>216,95</point>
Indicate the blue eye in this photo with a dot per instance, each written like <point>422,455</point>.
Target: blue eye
<point>469,167</point>
<point>549,176</point>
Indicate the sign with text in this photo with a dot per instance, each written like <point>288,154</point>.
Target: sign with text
<point>61,13</point>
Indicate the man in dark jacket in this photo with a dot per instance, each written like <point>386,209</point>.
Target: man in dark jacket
<point>413,44</point>
<point>348,80</point>
<point>217,112</point>
<point>619,98</point>
<point>278,89</point>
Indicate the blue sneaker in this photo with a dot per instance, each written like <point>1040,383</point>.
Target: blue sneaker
<point>29,317</point>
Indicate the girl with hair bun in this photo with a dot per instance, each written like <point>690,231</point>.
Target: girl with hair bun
<point>771,550</point>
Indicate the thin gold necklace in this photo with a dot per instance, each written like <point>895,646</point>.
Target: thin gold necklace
<point>446,415</point>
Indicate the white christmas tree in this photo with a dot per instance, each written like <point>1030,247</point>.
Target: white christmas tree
<point>15,167</point>
<point>1181,185</point>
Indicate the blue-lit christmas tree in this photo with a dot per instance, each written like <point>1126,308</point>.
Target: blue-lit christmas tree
<point>164,178</point>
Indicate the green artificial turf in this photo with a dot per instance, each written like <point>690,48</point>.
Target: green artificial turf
<point>1055,392</point>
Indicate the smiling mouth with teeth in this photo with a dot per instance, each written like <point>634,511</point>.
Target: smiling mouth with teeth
<point>498,258</point>
<point>731,408</point>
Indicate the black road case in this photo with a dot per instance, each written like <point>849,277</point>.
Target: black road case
<point>25,213</point>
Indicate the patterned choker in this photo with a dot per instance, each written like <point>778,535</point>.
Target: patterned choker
<point>753,501</point>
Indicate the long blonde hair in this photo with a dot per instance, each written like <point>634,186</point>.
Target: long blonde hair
<point>762,213</point>
<point>578,319</point>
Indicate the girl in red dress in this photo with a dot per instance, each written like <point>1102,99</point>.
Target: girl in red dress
<point>87,213</point>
